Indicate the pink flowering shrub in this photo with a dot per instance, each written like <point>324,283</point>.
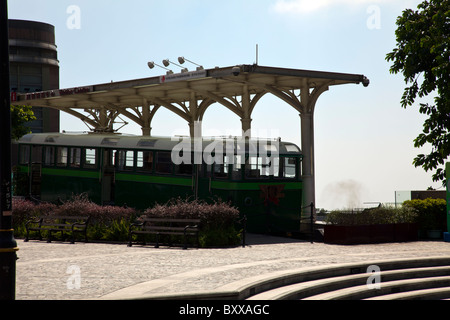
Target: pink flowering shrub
<point>111,223</point>
<point>216,214</point>
<point>24,210</point>
<point>106,222</point>
<point>80,205</point>
<point>218,219</point>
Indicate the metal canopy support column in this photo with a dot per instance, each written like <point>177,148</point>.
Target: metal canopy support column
<point>146,118</point>
<point>246,120</point>
<point>308,178</point>
<point>308,103</point>
<point>195,126</point>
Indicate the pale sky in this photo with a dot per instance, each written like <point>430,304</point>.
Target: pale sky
<point>363,138</point>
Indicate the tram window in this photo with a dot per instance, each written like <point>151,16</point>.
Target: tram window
<point>164,162</point>
<point>236,174</point>
<point>90,158</point>
<point>272,167</point>
<point>258,168</point>
<point>289,168</point>
<point>110,157</point>
<point>24,155</point>
<point>49,156</point>
<point>75,157</point>
<point>120,157</point>
<point>36,154</point>
<point>184,169</point>
<point>251,168</point>
<point>61,156</point>
<point>144,160</point>
<point>265,167</point>
<point>125,159</point>
<point>129,163</point>
<point>205,170</point>
<point>221,170</point>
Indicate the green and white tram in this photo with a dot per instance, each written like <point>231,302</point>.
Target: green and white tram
<point>261,178</point>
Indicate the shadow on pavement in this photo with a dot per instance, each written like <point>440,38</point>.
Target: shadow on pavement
<point>258,239</point>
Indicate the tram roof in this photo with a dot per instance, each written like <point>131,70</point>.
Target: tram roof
<point>167,89</point>
<point>119,141</point>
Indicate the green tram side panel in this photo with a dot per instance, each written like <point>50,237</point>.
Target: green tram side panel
<point>59,183</point>
<point>144,191</point>
<point>62,184</point>
<point>270,207</point>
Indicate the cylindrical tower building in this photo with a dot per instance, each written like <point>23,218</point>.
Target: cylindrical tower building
<point>34,66</point>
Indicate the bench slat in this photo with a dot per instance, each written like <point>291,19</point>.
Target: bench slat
<point>62,225</point>
<point>74,223</point>
<point>170,220</point>
<point>65,218</point>
<point>165,226</point>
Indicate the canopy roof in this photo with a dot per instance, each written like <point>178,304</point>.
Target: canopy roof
<point>218,82</point>
<point>178,92</point>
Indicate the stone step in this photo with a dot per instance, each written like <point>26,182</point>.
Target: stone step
<point>363,292</point>
<point>309,288</point>
<point>423,294</point>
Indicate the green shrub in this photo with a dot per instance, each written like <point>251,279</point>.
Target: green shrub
<point>372,216</point>
<point>432,213</point>
<point>117,230</point>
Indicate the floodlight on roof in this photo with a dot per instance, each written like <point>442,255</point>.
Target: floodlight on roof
<point>151,65</point>
<point>182,60</point>
<point>167,62</point>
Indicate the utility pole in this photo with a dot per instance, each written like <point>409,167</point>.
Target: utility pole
<point>8,245</point>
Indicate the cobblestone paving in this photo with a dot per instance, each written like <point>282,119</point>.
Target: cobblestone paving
<point>61,271</point>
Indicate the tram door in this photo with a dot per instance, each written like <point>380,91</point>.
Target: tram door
<point>108,176</point>
<point>203,181</point>
<point>35,172</point>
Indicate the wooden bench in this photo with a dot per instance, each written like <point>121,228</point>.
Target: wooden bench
<point>61,224</point>
<point>165,226</point>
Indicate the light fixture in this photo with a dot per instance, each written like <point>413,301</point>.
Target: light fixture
<point>167,62</point>
<point>151,65</point>
<point>182,60</point>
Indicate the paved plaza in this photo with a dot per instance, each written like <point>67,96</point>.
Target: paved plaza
<point>61,271</point>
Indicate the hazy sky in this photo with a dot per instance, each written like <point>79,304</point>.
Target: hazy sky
<point>363,138</point>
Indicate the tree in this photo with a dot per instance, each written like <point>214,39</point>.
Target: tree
<point>422,55</point>
<point>20,115</point>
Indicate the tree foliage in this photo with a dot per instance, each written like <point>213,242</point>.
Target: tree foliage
<point>20,115</point>
<point>422,55</point>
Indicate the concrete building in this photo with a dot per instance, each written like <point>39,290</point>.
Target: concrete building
<point>34,67</point>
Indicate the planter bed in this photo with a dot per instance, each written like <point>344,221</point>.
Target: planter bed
<point>365,234</point>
